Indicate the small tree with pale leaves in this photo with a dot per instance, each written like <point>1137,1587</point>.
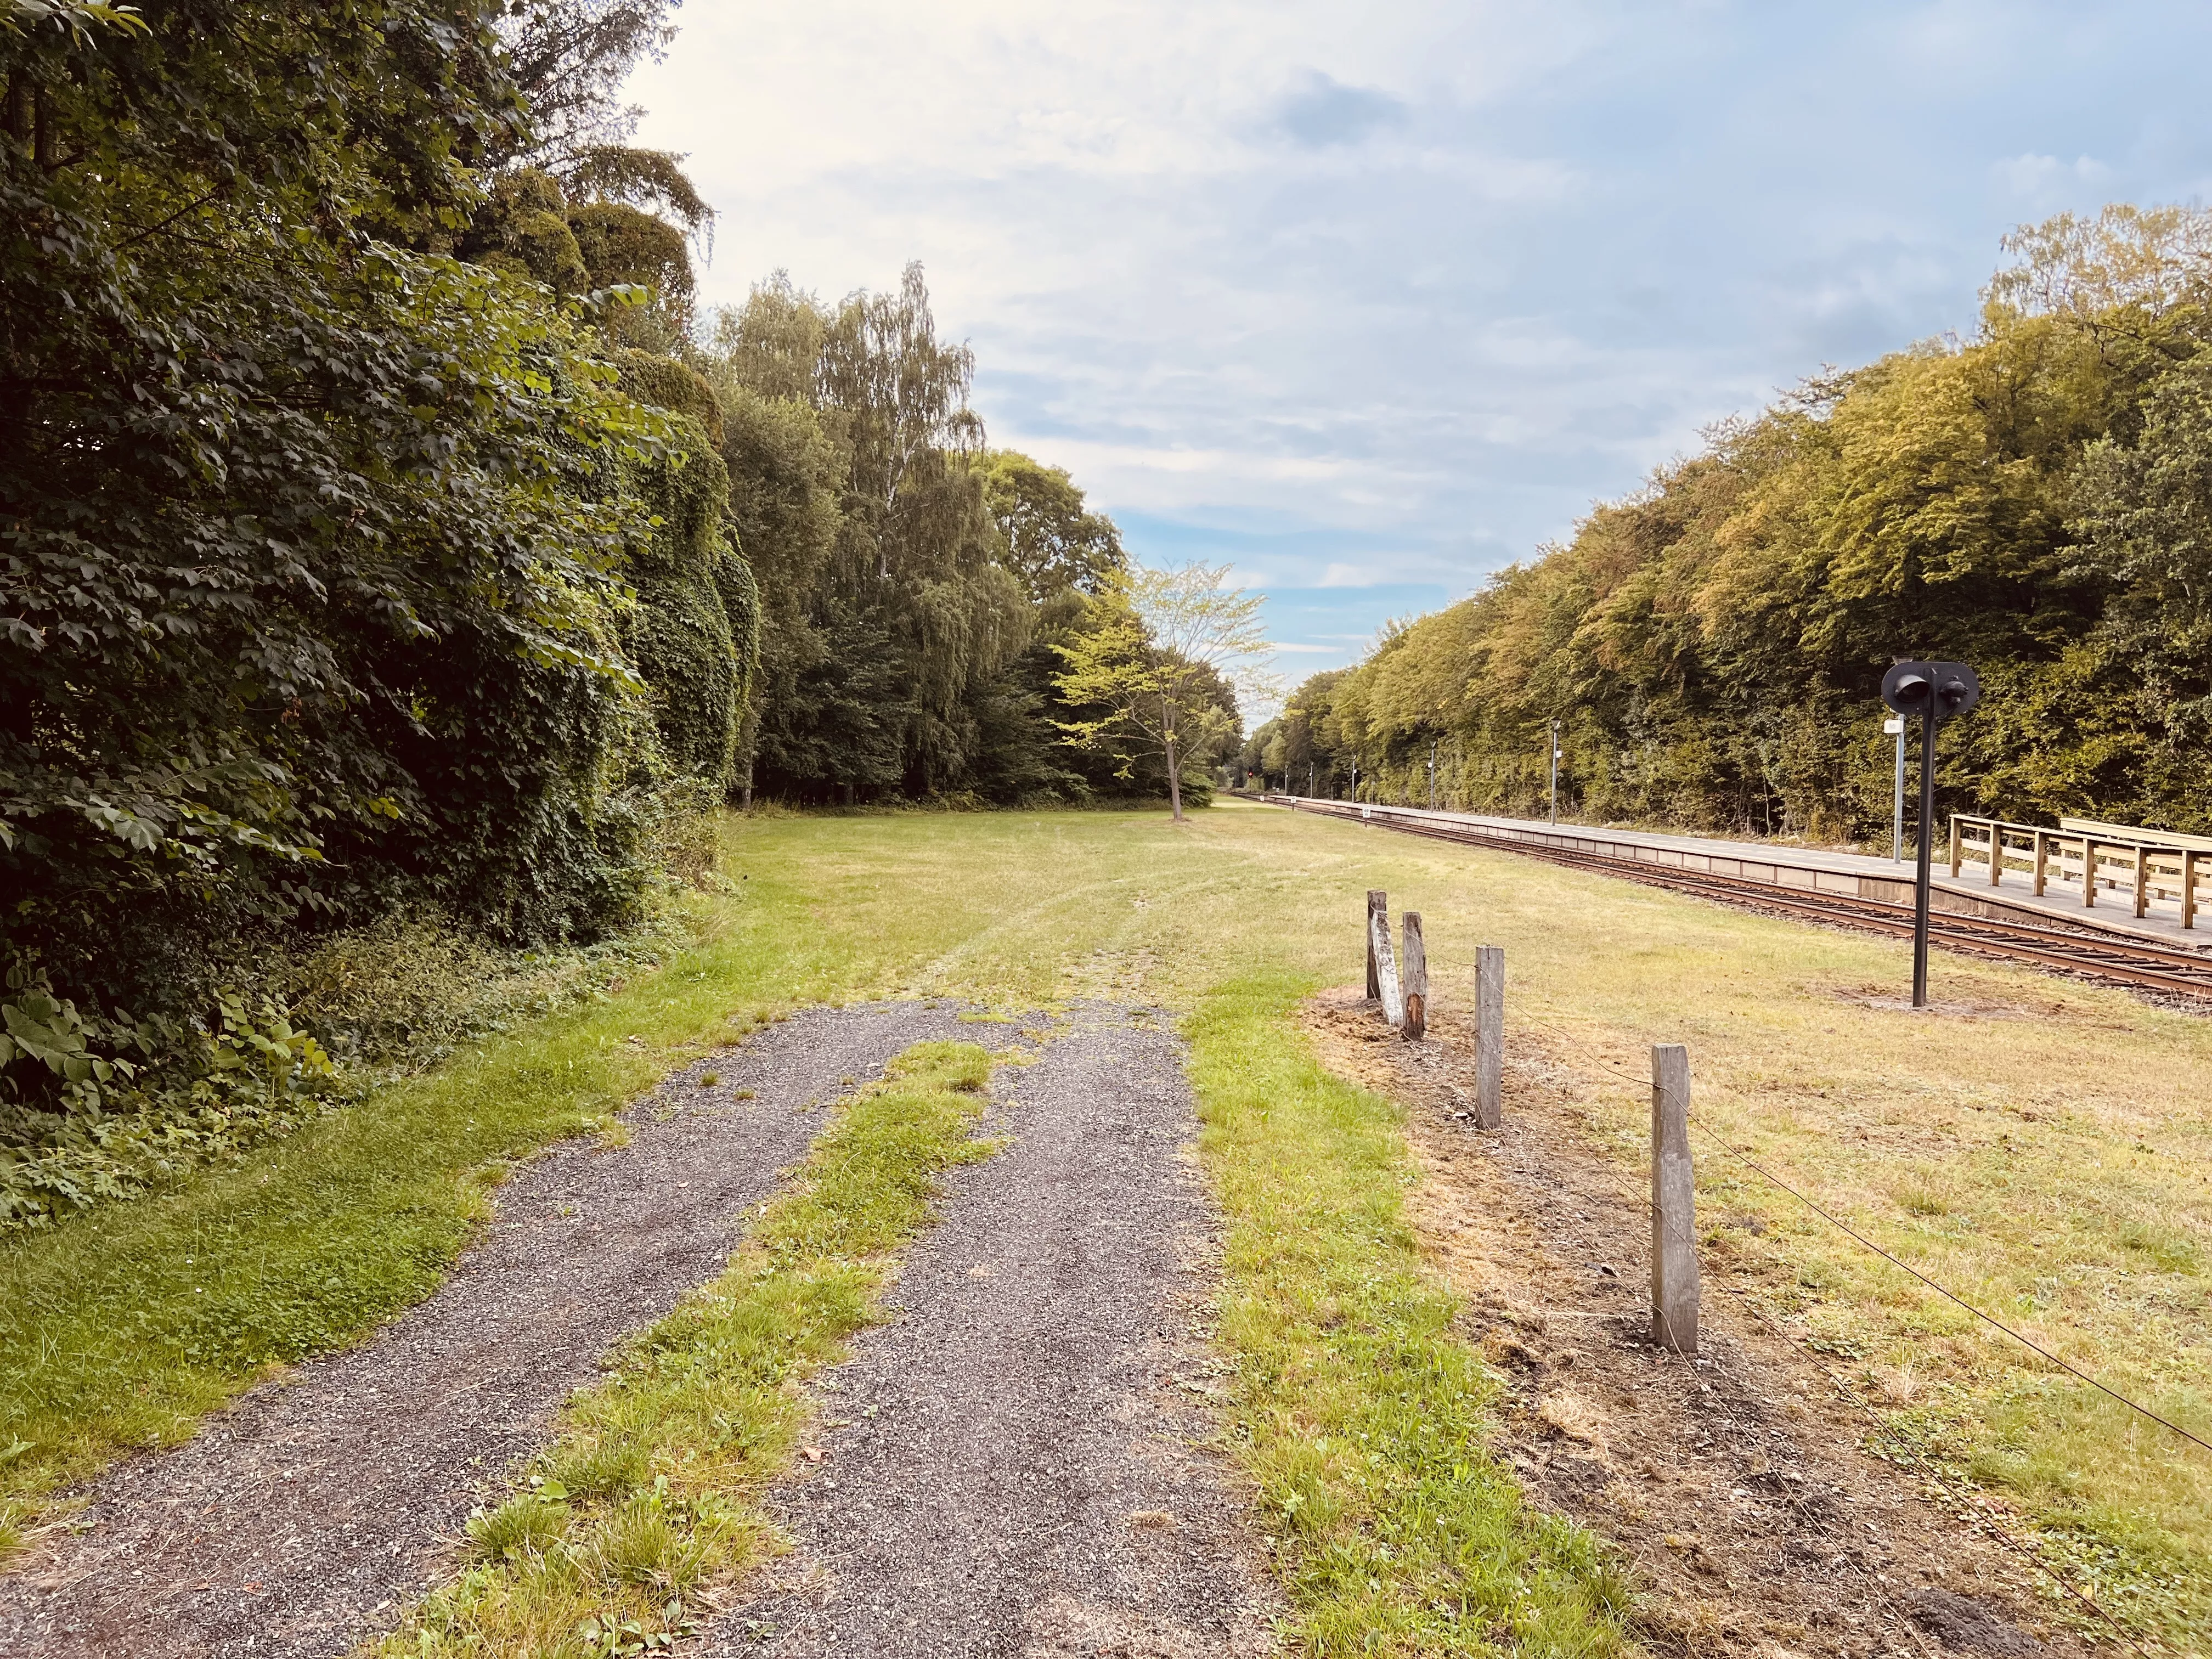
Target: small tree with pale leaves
<point>1159,645</point>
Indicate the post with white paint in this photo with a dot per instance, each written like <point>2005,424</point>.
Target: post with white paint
<point>1417,981</point>
<point>1490,1037</point>
<point>1378,904</point>
<point>1674,1204</point>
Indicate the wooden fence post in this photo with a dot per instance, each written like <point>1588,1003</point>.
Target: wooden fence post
<point>1417,981</point>
<point>1378,904</point>
<point>1489,1037</point>
<point>1674,1204</point>
<point>1386,969</point>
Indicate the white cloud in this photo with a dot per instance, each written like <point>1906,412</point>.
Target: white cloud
<point>2040,178</point>
<point>1353,576</point>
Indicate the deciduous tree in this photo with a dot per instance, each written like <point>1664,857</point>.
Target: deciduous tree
<point>1156,657</point>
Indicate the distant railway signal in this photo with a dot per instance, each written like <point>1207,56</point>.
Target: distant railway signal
<point>1933,692</point>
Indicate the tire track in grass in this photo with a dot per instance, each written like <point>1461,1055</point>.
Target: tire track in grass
<point>1012,1474</point>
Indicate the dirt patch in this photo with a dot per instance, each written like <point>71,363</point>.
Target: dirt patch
<point>1734,1482</point>
<point>1886,998</point>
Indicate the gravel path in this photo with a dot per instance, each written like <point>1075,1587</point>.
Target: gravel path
<point>314,1512</point>
<point>1007,1465</point>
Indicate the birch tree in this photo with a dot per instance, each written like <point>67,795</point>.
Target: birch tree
<point>1161,644</point>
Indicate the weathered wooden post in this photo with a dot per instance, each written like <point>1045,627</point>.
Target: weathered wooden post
<point>1378,904</point>
<point>1417,981</point>
<point>1386,967</point>
<point>1489,1037</point>
<point>1674,1204</point>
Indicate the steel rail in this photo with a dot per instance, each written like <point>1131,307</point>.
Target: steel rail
<point>2101,956</point>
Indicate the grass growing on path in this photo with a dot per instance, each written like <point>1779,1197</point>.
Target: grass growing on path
<point>649,1496</point>
<point>1361,1417</point>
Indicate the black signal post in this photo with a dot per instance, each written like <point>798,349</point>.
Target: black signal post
<point>1935,691</point>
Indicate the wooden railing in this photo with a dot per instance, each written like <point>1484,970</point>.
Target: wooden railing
<point>2147,867</point>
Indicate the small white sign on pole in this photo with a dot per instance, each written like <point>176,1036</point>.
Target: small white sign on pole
<point>1895,726</point>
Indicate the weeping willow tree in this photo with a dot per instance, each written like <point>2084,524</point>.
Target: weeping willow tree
<point>892,624</point>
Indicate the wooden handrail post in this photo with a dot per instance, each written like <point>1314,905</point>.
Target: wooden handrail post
<point>2188,888</point>
<point>2142,880</point>
<point>1674,1204</point>
<point>1417,981</point>
<point>2088,873</point>
<point>1955,848</point>
<point>1996,852</point>
<point>2042,858</point>
<point>1489,1037</point>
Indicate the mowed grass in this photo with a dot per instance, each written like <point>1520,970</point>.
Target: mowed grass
<point>1362,1418</point>
<point>2048,1160</point>
<point>649,1496</point>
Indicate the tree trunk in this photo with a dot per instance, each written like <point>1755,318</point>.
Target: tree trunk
<point>1175,770</point>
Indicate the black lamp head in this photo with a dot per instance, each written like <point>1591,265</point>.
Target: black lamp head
<point>1942,689</point>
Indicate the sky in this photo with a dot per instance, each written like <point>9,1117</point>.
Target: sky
<point>1370,301</point>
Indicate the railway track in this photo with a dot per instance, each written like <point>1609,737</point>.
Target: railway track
<point>2080,951</point>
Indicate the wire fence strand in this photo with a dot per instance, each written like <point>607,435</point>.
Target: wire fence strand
<point>1989,1523</point>
<point>1941,1290</point>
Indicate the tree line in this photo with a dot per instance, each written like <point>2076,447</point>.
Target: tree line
<point>383,528</point>
<point>2035,500</point>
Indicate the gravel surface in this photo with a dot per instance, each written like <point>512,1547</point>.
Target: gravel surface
<point>315,1510</point>
<point>1007,1467</point>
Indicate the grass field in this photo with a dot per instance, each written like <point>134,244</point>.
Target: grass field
<point>2043,1149</point>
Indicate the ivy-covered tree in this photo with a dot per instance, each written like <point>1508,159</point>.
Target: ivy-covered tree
<point>311,538</point>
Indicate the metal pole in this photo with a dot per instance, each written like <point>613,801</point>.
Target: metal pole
<point>1927,840</point>
<point>1432,777</point>
<point>1555,771</point>
<point>1897,823</point>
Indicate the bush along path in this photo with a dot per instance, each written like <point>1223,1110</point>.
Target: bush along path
<point>319,1508</point>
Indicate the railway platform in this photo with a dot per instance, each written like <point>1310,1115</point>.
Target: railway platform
<point>1811,871</point>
